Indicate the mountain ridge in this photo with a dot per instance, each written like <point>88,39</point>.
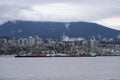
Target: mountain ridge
<point>56,30</point>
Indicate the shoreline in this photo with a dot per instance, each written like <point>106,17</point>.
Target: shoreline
<point>15,56</point>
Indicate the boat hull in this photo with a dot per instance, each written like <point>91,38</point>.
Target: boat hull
<point>55,56</point>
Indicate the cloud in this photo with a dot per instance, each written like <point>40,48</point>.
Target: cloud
<point>63,12</point>
<point>111,22</point>
<point>10,12</point>
<point>99,11</point>
<point>66,38</point>
<point>32,2</point>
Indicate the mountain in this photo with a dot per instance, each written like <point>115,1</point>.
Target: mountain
<point>56,30</point>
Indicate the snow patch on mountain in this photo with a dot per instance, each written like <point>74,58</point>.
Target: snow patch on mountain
<point>67,25</point>
<point>118,36</point>
<point>19,31</point>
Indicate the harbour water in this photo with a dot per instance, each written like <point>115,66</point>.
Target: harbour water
<point>69,68</point>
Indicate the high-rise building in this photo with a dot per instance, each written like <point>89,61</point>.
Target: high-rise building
<point>26,42</point>
<point>3,41</point>
<point>31,41</point>
<point>20,42</point>
<point>38,40</point>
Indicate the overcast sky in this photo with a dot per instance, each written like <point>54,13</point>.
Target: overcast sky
<point>104,12</point>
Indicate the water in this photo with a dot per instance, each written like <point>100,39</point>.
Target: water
<point>79,68</point>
